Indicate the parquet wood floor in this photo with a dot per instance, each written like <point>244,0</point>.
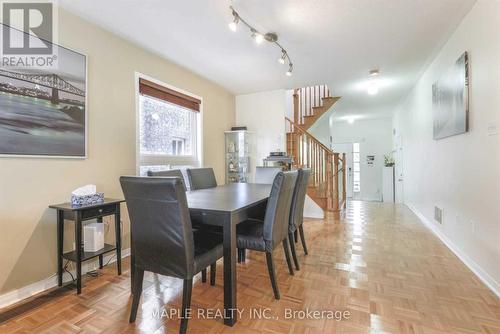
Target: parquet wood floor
<point>379,263</point>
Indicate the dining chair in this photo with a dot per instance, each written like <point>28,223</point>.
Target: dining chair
<point>201,178</point>
<point>196,225</point>
<point>297,212</point>
<point>266,175</point>
<point>267,235</point>
<point>162,238</point>
<point>170,172</point>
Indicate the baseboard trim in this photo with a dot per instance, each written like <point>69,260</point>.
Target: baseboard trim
<point>471,264</point>
<point>32,289</point>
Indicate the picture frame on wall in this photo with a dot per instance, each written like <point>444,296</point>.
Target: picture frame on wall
<point>43,110</point>
<point>450,100</point>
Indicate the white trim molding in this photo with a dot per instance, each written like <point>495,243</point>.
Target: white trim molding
<point>486,278</point>
<point>32,289</point>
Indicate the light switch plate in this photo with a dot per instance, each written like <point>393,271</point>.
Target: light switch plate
<point>492,129</point>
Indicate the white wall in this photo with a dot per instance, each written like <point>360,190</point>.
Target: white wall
<point>375,138</point>
<point>263,114</point>
<point>460,174</point>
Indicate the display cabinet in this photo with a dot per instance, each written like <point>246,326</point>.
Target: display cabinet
<point>238,153</point>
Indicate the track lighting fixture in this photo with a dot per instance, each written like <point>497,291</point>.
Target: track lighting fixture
<point>271,37</point>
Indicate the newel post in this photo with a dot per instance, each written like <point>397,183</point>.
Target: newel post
<point>336,183</point>
<point>344,181</point>
<point>296,106</point>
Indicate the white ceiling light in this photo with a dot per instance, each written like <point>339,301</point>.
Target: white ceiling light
<point>290,70</point>
<point>350,120</point>
<point>373,85</point>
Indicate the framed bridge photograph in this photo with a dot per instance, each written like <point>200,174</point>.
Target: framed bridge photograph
<point>43,109</point>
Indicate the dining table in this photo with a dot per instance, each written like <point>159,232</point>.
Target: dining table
<point>227,206</point>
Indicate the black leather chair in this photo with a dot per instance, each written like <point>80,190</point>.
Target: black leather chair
<point>162,238</point>
<point>201,178</point>
<point>266,236</point>
<point>196,225</point>
<point>170,172</point>
<point>297,212</point>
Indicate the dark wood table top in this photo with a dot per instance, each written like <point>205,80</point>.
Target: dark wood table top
<point>228,198</point>
<point>68,207</point>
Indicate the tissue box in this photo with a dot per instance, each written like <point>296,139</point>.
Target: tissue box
<point>93,237</point>
<point>87,199</point>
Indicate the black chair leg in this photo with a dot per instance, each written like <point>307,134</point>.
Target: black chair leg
<point>296,235</point>
<point>213,268</point>
<point>287,256</point>
<point>243,255</point>
<point>239,255</point>
<point>204,276</point>
<point>302,238</point>
<point>292,248</point>
<point>138,278</point>
<point>272,274</point>
<point>186,304</point>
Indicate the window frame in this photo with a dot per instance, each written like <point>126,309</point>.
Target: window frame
<point>195,159</point>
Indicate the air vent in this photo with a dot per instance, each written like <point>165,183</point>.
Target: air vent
<point>438,215</point>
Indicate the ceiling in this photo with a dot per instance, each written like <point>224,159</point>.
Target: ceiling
<point>335,42</point>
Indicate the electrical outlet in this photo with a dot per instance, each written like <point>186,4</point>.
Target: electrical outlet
<point>438,215</point>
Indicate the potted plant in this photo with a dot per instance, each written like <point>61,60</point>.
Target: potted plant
<point>388,160</point>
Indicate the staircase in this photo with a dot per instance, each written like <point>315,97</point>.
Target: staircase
<point>327,183</point>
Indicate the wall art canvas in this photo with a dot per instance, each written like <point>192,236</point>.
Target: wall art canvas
<point>43,111</point>
<point>450,100</point>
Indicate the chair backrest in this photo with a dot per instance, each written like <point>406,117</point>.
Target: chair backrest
<point>298,199</point>
<point>170,172</point>
<point>266,175</point>
<point>160,226</point>
<point>201,178</point>
<point>278,209</point>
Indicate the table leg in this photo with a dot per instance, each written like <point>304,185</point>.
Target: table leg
<point>101,257</point>
<point>79,251</point>
<point>60,244</point>
<point>229,243</point>
<point>118,237</point>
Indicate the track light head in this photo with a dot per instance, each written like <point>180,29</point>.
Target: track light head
<point>282,59</point>
<point>290,70</point>
<point>257,36</point>
<point>233,26</point>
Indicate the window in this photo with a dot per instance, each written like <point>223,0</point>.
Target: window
<point>168,127</point>
<point>356,177</point>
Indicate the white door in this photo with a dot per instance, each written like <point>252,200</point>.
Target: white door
<point>399,169</point>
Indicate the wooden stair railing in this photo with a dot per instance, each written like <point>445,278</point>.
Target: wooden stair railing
<point>310,103</point>
<point>326,167</point>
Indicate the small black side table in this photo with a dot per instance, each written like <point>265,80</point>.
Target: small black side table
<point>78,215</point>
